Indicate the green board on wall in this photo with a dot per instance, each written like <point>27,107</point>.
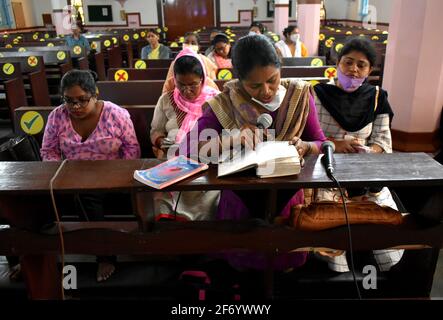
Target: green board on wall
<point>100,13</point>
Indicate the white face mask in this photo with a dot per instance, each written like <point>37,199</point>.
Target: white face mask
<point>251,33</point>
<point>295,37</point>
<point>193,47</point>
<point>275,103</point>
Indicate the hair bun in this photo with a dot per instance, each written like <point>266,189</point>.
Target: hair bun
<point>94,75</point>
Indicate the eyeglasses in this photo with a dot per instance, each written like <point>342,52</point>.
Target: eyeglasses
<point>192,87</point>
<point>81,103</point>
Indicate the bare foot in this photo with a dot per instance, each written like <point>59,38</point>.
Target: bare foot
<point>15,273</point>
<point>104,271</point>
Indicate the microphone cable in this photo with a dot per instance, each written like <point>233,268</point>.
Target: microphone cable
<point>348,225</point>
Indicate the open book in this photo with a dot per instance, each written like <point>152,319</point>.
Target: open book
<point>169,172</point>
<point>271,158</point>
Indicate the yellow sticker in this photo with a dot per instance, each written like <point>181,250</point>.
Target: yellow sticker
<point>348,33</point>
<point>314,82</point>
<point>5,36</point>
<point>136,36</point>
<point>94,45</point>
<point>61,55</point>
<point>121,75</point>
<point>362,35</point>
<point>165,29</point>
<point>140,64</point>
<point>385,42</point>
<point>8,69</point>
<point>46,35</point>
<point>385,32</point>
<point>8,46</point>
<point>173,45</point>
<point>42,40</point>
<point>77,49</point>
<point>338,47</point>
<point>158,30</point>
<point>21,49</point>
<point>114,40</point>
<point>316,62</point>
<point>375,38</point>
<point>32,122</point>
<point>338,30</point>
<point>331,72</point>
<point>126,37</point>
<point>32,61</point>
<point>275,38</point>
<point>50,44</point>
<point>181,39</point>
<point>16,41</point>
<point>35,36</point>
<point>231,40</point>
<point>329,43</point>
<point>107,43</point>
<point>224,74</point>
<point>233,35</point>
<point>322,37</point>
<point>143,34</point>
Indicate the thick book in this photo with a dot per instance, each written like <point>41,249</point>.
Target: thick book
<point>270,158</point>
<point>169,172</point>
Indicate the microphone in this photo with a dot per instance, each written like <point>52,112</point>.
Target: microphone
<point>264,121</point>
<point>328,148</point>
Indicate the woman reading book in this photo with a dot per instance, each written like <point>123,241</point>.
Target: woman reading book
<point>175,114</point>
<point>357,117</point>
<point>259,90</point>
<point>86,128</point>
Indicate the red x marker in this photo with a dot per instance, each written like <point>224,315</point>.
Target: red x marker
<point>121,76</point>
<point>32,61</point>
<point>331,73</point>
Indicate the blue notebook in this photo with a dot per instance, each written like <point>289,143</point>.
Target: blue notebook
<point>169,172</point>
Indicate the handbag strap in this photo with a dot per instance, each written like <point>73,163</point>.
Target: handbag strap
<point>377,93</point>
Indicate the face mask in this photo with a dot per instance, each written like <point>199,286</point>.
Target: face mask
<point>295,37</point>
<point>349,84</point>
<point>193,47</point>
<point>251,33</point>
<point>275,103</point>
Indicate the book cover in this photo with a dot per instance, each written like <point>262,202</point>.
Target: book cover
<point>169,172</point>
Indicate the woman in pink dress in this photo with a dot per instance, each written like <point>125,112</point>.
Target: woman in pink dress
<point>86,128</point>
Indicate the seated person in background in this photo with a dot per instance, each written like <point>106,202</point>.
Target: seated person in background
<point>256,28</point>
<point>191,42</point>
<point>221,53</point>
<point>155,50</point>
<point>211,37</point>
<point>175,114</point>
<point>85,128</point>
<point>291,46</point>
<point>294,120</point>
<point>356,116</point>
<point>77,39</point>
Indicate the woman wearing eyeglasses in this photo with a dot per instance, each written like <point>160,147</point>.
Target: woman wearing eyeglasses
<point>220,55</point>
<point>176,112</point>
<point>86,128</point>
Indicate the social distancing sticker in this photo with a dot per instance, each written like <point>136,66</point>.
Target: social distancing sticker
<point>121,75</point>
<point>32,122</point>
<point>8,69</point>
<point>224,74</point>
<point>140,64</point>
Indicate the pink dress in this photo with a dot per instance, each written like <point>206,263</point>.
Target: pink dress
<point>113,138</point>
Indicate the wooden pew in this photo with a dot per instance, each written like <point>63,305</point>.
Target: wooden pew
<point>138,74</point>
<point>33,70</point>
<point>13,89</point>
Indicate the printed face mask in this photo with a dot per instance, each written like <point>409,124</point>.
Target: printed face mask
<point>349,84</point>
<point>295,37</point>
<point>275,103</point>
<point>193,47</point>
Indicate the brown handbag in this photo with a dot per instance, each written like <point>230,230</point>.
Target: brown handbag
<point>329,214</point>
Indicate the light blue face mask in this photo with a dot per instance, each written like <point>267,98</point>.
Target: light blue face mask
<point>275,103</point>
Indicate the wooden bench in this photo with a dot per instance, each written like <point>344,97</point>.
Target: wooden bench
<point>12,89</point>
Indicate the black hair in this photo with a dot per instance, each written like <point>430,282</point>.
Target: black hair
<point>190,33</point>
<point>188,64</point>
<point>288,30</point>
<point>260,26</point>
<point>153,31</point>
<point>252,51</point>
<point>85,79</point>
<point>361,45</point>
<point>221,37</point>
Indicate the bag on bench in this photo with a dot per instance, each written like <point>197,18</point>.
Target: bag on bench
<point>21,148</point>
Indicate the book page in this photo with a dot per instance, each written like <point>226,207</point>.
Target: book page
<point>241,161</point>
<point>273,150</point>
